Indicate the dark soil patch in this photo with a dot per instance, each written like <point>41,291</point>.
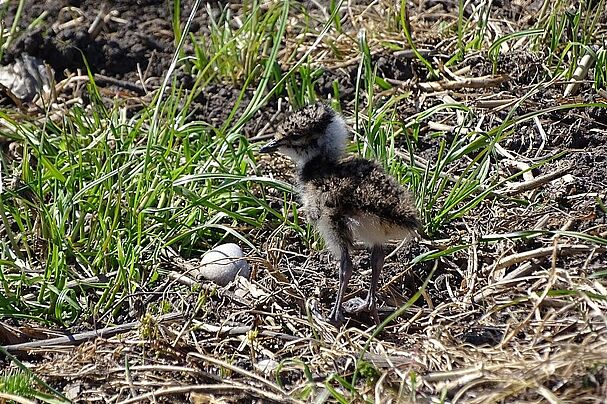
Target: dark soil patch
<point>135,34</point>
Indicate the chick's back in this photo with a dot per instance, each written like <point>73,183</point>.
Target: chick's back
<point>352,186</point>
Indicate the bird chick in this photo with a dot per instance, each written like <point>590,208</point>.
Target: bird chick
<point>345,197</point>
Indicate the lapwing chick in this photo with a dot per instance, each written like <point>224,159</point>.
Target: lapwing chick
<point>345,197</point>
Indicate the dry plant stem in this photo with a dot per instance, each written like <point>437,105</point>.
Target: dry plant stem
<point>208,388</point>
<point>81,283</point>
<point>261,134</point>
<point>563,249</point>
<point>90,371</point>
<point>129,380</point>
<point>522,270</point>
<point>120,83</point>
<point>13,98</point>
<point>11,335</point>
<point>77,339</point>
<point>472,270</point>
<point>458,373</point>
<point>141,78</point>
<point>97,25</point>
<point>536,182</point>
<point>495,103</point>
<point>564,359</point>
<point>527,267</point>
<point>551,280</point>
<point>100,78</point>
<point>14,398</point>
<point>470,82</point>
<point>597,310</point>
<point>182,278</point>
<point>222,331</point>
<point>238,370</point>
<point>581,71</point>
<point>69,24</point>
<point>167,368</point>
<point>521,166</point>
<point>447,128</point>
<point>543,135</point>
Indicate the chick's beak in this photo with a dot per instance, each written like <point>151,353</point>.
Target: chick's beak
<point>270,147</point>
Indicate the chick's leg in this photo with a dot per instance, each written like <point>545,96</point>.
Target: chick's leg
<point>345,272</point>
<point>338,237</point>
<point>377,263</point>
<point>356,304</point>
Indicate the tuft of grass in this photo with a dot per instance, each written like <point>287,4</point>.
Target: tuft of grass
<point>569,30</point>
<point>405,26</point>
<point>494,50</point>
<point>104,193</point>
<point>234,53</point>
<point>300,86</point>
<point>16,382</point>
<point>98,199</point>
<point>600,69</point>
<point>5,41</point>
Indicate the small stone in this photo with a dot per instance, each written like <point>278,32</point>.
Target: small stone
<point>222,264</point>
<point>266,366</point>
<point>26,77</point>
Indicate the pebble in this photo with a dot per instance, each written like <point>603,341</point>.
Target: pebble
<point>266,366</point>
<point>26,77</point>
<point>222,264</point>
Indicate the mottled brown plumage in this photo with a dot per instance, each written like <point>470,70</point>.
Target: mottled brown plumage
<point>346,198</point>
